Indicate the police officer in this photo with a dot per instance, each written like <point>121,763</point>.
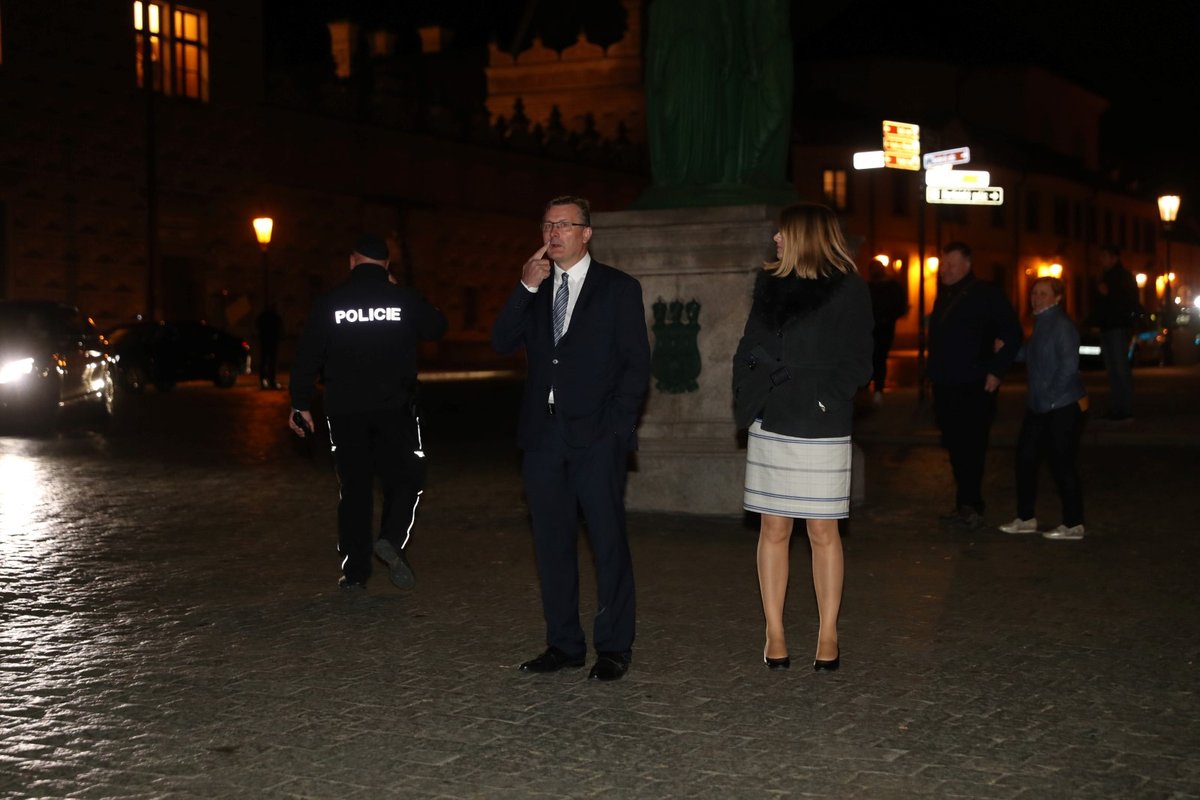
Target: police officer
<point>363,335</point>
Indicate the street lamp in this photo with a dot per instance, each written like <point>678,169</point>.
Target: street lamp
<point>1168,211</point>
<point>262,231</point>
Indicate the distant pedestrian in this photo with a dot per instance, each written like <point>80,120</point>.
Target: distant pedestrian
<point>363,334</point>
<point>805,350</point>
<point>582,325</point>
<point>1054,413</point>
<point>270,327</point>
<point>1116,310</point>
<point>974,335</point>
<point>889,303</point>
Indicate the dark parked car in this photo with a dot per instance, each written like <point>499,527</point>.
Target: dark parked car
<point>164,353</point>
<point>1148,345</point>
<point>51,356</point>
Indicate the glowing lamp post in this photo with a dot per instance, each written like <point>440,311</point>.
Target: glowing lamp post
<point>1168,211</point>
<point>262,231</point>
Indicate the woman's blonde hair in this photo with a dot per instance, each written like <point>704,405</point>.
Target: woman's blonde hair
<point>813,245</point>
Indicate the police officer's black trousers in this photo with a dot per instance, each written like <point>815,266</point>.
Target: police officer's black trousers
<point>384,445</point>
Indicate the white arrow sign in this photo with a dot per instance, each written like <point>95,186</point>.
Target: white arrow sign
<point>946,158</point>
<point>985,196</point>
<point>968,178</point>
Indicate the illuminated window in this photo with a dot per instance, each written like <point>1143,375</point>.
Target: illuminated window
<point>157,15</point>
<point>190,67</point>
<point>834,189</point>
<point>178,47</point>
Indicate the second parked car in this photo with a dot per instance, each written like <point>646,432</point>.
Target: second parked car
<point>164,353</point>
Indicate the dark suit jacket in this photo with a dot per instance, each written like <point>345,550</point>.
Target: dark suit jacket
<point>600,369</point>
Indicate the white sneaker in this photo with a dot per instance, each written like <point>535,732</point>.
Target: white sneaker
<point>1019,525</point>
<point>1063,532</point>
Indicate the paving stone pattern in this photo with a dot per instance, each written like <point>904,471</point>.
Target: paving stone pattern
<point>170,628</point>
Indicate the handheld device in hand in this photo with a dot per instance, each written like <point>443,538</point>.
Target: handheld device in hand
<point>301,423</point>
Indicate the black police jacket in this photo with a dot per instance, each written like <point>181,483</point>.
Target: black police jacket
<point>363,334</point>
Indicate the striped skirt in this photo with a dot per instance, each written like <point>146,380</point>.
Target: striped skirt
<point>799,478</point>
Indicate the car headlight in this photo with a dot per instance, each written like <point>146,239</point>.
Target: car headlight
<point>15,370</point>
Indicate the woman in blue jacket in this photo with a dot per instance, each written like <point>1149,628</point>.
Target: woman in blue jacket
<point>1054,414</point>
<point>805,351</point>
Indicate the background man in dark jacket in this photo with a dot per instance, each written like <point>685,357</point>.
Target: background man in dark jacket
<point>1116,307</point>
<point>364,336</point>
<point>974,336</point>
<point>270,327</point>
<point>584,334</point>
<point>888,304</point>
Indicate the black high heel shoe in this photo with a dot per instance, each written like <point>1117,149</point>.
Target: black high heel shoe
<point>777,663</point>
<point>830,665</point>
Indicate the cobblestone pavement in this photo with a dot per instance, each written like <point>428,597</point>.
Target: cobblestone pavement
<point>169,627</point>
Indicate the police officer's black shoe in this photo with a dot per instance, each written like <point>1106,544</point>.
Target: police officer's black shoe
<point>398,567</point>
<point>351,586</point>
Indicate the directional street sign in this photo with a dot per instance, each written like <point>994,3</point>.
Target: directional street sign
<point>967,178</point>
<point>901,145</point>
<point>946,158</point>
<point>984,196</point>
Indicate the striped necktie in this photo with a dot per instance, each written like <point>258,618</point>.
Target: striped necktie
<point>560,308</point>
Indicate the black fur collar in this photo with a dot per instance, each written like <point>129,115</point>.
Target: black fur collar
<point>779,300</point>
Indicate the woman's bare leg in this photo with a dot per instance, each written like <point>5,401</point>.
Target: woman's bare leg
<point>828,573</point>
<point>774,535</point>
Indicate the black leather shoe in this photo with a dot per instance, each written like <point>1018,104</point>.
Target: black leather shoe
<point>777,663</point>
<point>609,667</point>
<point>827,666</point>
<point>351,586</point>
<point>399,569</point>
<point>551,661</point>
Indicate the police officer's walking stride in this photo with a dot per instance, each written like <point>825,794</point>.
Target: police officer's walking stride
<point>363,335</point>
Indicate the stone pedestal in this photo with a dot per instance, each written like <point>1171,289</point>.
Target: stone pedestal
<point>690,459</point>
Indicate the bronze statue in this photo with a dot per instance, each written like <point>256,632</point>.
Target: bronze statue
<point>718,102</point>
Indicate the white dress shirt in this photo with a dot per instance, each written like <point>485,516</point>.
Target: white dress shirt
<point>575,277</point>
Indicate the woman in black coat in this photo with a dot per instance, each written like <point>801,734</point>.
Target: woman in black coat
<point>805,351</point>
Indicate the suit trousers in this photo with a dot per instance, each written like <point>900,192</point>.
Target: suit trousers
<point>1057,434</point>
<point>560,480</point>
<point>377,444</point>
<point>964,413</point>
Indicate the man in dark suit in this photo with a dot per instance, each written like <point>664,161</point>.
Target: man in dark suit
<point>584,334</point>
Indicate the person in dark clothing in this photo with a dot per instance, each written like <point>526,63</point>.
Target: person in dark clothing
<point>1116,307</point>
<point>805,350</point>
<point>974,336</point>
<point>363,335</point>
<point>888,304</point>
<point>270,326</point>
<point>582,325</point>
<point>1054,413</point>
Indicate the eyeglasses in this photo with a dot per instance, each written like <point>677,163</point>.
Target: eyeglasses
<point>561,226</point>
